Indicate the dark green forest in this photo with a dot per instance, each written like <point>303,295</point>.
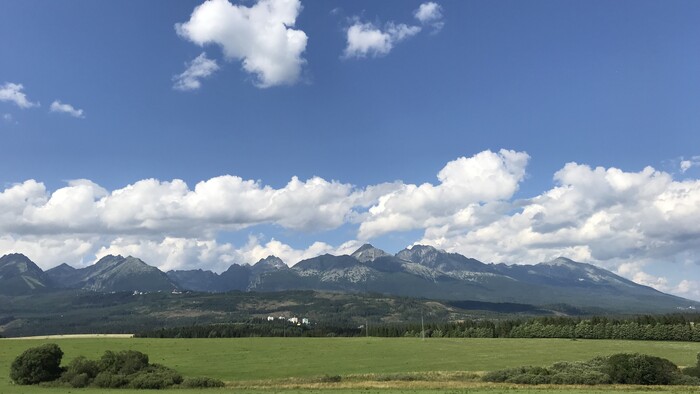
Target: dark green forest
<point>677,327</point>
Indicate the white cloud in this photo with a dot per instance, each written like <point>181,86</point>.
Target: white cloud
<point>685,165</point>
<point>12,92</point>
<point>620,220</point>
<point>48,252</point>
<point>464,184</point>
<point>430,13</point>
<point>7,118</point>
<point>151,206</point>
<point>60,107</point>
<point>261,36</point>
<point>200,67</point>
<point>171,253</point>
<point>604,216</point>
<point>688,288</point>
<point>365,39</point>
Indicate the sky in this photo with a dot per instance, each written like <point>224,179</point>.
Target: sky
<point>199,134</point>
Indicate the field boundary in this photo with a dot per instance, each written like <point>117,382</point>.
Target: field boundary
<point>74,336</point>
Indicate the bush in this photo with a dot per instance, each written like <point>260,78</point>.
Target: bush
<point>618,368</point>
<point>80,372</point>
<point>686,380</point>
<point>125,362</point>
<point>36,365</point>
<point>80,380</point>
<point>153,380</point>
<point>108,380</point>
<point>154,376</point>
<point>114,370</point>
<point>585,377</point>
<point>692,371</point>
<point>640,369</point>
<point>199,382</point>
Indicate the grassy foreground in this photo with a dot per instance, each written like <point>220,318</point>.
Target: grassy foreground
<point>293,364</point>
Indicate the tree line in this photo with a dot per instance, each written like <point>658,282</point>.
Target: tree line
<point>676,327</point>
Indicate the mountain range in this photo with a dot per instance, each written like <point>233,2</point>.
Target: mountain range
<point>420,271</point>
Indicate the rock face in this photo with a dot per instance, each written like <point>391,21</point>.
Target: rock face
<point>20,276</point>
<point>419,271</point>
<point>112,273</point>
<point>368,253</point>
<point>427,272</point>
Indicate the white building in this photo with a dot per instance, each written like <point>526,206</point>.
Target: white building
<point>270,318</point>
<point>293,320</point>
<point>304,320</point>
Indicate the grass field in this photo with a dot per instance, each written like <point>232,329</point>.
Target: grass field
<point>294,364</point>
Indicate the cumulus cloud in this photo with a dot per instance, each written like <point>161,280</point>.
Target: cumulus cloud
<point>687,164</point>
<point>625,221</point>
<point>13,92</point>
<point>48,252</point>
<point>430,14</point>
<point>365,39</point>
<point>601,215</point>
<point>464,184</point>
<point>151,206</point>
<point>199,68</point>
<point>63,108</point>
<point>261,37</point>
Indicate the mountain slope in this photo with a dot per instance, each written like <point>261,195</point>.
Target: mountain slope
<point>115,273</point>
<point>19,276</point>
<point>420,271</point>
<point>197,280</point>
<point>423,271</point>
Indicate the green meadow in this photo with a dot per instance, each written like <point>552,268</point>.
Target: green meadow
<point>365,365</point>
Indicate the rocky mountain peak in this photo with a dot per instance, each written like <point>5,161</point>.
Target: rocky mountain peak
<point>109,260</point>
<point>562,262</point>
<point>63,267</point>
<point>421,254</point>
<point>367,253</point>
<point>270,262</point>
<point>18,263</point>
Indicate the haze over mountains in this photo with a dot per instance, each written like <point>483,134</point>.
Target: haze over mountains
<point>421,271</point>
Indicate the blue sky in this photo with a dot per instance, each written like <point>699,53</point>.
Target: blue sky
<point>602,84</point>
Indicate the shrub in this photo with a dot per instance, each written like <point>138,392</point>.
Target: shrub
<point>199,382</point>
<point>152,380</point>
<point>692,371</point>
<point>154,376</point>
<point>583,377</point>
<point>80,372</point>
<point>108,380</point>
<point>618,368</point>
<point>125,362</point>
<point>643,369</point>
<point>686,380</point>
<point>36,365</point>
<point>80,380</point>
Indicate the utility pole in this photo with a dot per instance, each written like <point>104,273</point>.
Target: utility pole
<point>422,327</point>
<point>367,328</point>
